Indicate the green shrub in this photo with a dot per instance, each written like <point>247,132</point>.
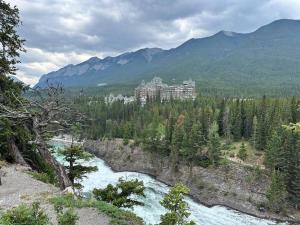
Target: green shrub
<point>118,216</point>
<point>125,141</point>
<point>242,154</point>
<point>25,215</point>
<point>68,217</point>
<point>120,195</point>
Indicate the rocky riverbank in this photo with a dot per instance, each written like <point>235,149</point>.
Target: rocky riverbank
<point>230,185</point>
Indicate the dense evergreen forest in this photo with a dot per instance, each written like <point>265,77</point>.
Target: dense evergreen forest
<point>198,131</point>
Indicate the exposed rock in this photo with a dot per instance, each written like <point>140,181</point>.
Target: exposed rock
<point>229,185</point>
<point>68,190</point>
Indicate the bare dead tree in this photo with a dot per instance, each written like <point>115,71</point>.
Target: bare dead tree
<point>45,115</point>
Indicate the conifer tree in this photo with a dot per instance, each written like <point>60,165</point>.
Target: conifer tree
<point>74,155</point>
<point>121,194</point>
<point>276,194</point>
<point>10,41</point>
<point>242,154</point>
<point>273,151</point>
<point>227,125</point>
<point>214,144</point>
<point>221,118</point>
<point>237,122</point>
<point>294,110</point>
<point>178,210</point>
<point>254,132</point>
<point>262,126</point>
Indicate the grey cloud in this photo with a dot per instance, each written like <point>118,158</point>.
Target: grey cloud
<point>102,27</point>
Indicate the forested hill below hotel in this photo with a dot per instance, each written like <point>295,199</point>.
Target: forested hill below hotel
<point>266,61</point>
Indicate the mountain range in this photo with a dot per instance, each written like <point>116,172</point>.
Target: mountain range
<point>268,58</point>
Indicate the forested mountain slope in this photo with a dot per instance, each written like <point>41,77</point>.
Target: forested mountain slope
<point>266,59</point>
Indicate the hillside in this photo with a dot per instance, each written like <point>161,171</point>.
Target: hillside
<point>266,60</point>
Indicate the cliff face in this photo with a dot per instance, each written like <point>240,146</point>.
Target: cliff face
<point>230,185</point>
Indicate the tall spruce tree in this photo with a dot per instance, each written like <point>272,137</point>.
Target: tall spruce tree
<point>273,151</point>
<point>262,125</point>
<point>237,121</point>
<point>276,194</point>
<point>214,144</point>
<point>74,157</point>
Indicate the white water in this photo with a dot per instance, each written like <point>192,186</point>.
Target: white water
<point>155,191</point>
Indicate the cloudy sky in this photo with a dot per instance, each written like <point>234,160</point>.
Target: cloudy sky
<point>60,32</point>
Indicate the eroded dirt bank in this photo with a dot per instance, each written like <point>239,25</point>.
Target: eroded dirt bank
<point>231,185</point>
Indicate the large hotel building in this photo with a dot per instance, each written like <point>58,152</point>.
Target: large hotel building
<point>156,88</point>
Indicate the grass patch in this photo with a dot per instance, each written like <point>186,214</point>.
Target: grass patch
<point>44,177</point>
<point>254,157</point>
<point>117,216</point>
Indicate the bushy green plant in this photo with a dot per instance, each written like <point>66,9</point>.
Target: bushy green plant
<point>25,215</point>
<point>178,210</point>
<point>120,194</point>
<point>242,154</point>
<point>117,216</point>
<point>68,217</point>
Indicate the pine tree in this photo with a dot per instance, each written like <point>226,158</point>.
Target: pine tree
<point>121,194</point>
<point>262,126</point>
<point>294,110</point>
<point>214,144</point>
<point>197,137</point>
<point>254,132</point>
<point>227,125</point>
<point>221,118</point>
<point>74,155</point>
<point>243,152</point>
<point>237,122</point>
<point>273,151</point>
<point>276,194</point>
<point>178,210</point>
<point>11,43</point>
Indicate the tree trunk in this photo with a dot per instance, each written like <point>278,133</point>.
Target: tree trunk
<point>15,153</point>
<point>64,180</point>
<point>191,165</point>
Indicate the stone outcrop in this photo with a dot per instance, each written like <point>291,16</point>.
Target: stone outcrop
<point>231,185</point>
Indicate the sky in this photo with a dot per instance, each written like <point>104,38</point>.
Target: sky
<point>62,32</point>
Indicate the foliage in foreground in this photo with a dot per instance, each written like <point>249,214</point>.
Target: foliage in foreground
<point>178,210</point>
<point>118,216</point>
<point>121,194</point>
<point>34,215</point>
<point>68,217</point>
<point>24,215</point>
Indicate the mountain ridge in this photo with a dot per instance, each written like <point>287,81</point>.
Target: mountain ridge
<point>268,56</point>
